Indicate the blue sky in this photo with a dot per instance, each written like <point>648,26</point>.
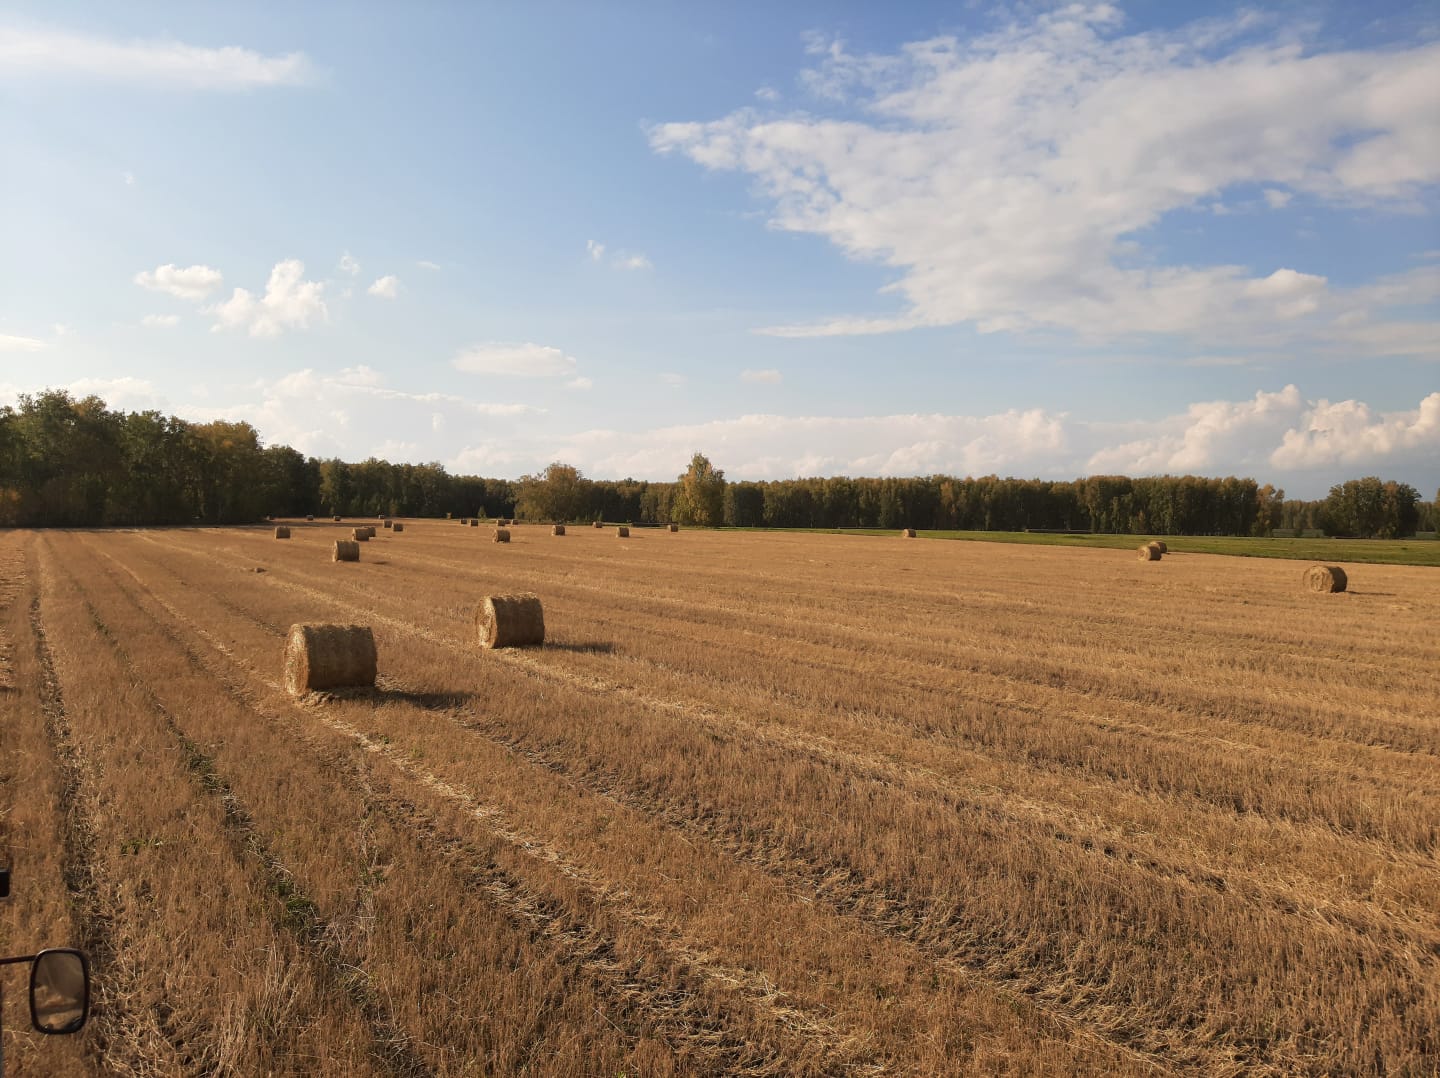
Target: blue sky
<point>802,238</point>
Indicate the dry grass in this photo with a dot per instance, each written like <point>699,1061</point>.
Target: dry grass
<point>736,817</point>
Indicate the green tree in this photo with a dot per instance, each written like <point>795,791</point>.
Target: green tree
<point>559,493</point>
<point>700,498</point>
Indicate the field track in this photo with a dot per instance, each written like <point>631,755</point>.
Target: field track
<point>770,804</point>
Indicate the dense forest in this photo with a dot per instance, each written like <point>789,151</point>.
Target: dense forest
<point>75,463</point>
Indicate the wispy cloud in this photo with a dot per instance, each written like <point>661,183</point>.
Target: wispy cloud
<point>28,50</point>
<point>192,282</point>
<point>349,264</point>
<point>160,321</point>
<point>524,360</point>
<point>765,377</point>
<point>632,262</point>
<point>595,250</point>
<point>9,343</point>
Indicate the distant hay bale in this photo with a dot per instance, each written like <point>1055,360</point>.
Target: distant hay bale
<point>557,529</point>
<point>282,532</point>
<point>389,523</point>
<point>379,516</point>
<point>622,532</point>
<point>599,524</point>
<point>1327,578</point>
<point>398,527</point>
<point>359,535</point>
<point>674,527</point>
<point>310,517</point>
<point>370,530</point>
<point>474,523</point>
<point>503,522</point>
<point>321,657</point>
<point>1149,552</point>
<point>335,518</point>
<point>346,550</point>
<point>907,533</point>
<point>1161,544</point>
<point>447,516</point>
<point>510,621</point>
<point>502,535</point>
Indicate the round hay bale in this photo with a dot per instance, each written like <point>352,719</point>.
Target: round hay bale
<point>282,532</point>
<point>1161,544</point>
<point>622,532</point>
<point>398,527</point>
<point>510,621</point>
<point>501,535</point>
<point>474,523</point>
<point>674,527</point>
<point>557,529</point>
<point>370,530</point>
<point>599,524</point>
<point>1149,552</point>
<point>907,533</point>
<point>335,518</point>
<point>346,550</point>
<point>329,657</point>
<point>359,535</point>
<point>311,517</point>
<point>1326,578</point>
<point>389,523</point>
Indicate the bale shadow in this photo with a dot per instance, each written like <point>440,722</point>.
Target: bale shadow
<point>594,647</point>
<point>430,701</point>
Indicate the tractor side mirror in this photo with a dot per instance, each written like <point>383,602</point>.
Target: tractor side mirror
<point>59,990</point>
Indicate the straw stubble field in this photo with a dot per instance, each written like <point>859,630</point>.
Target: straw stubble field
<point>764,804</point>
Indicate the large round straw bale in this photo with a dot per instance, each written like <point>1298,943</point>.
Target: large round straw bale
<point>389,523</point>
<point>1149,552</point>
<point>599,524</point>
<point>346,550</point>
<point>557,529</point>
<point>474,523</point>
<point>329,657</point>
<point>335,518</point>
<point>1330,578</point>
<point>509,621</point>
<point>359,535</point>
<point>907,533</point>
<point>310,517</point>
<point>1161,544</point>
<point>282,532</point>
<point>370,530</point>
<point>398,527</point>
<point>622,532</point>
<point>674,527</point>
<point>502,535</point>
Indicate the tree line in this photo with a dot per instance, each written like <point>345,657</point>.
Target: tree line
<point>76,463</point>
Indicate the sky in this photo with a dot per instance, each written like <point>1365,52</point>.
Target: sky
<point>805,239</point>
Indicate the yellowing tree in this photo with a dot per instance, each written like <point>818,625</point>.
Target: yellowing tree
<point>700,498</point>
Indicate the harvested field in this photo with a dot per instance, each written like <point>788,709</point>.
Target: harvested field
<point>779,804</point>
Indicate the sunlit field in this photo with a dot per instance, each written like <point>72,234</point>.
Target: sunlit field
<point>777,804</point>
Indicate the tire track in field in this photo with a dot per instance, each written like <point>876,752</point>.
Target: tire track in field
<point>578,941</point>
<point>123,1040</point>
<point>999,804</point>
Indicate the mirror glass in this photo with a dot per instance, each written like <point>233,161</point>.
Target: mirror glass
<point>59,991</point>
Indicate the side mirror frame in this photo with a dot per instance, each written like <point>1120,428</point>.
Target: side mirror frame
<point>48,1025</point>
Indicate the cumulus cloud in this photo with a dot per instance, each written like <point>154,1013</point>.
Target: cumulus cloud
<point>387,287</point>
<point>1350,433</point>
<point>349,264</point>
<point>580,383</point>
<point>1008,179</point>
<point>595,250</point>
<point>29,50</point>
<point>160,321</point>
<point>289,302</point>
<point>516,360</point>
<point>769,377</point>
<point>192,282</point>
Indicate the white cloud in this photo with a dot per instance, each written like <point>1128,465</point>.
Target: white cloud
<point>595,250</point>
<point>1204,437</point>
<point>9,343</point>
<point>37,50</point>
<point>387,287</point>
<point>191,283</point>
<point>60,329</point>
<point>425,263</point>
<point>129,178</point>
<point>519,360</point>
<point>126,394</point>
<point>348,264</point>
<point>289,302</point>
<point>1349,433</point>
<point>770,377</point>
<point>580,383</point>
<point>1008,180</point>
<point>768,94</point>
<point>632,262</point>
<point>160,321</point>
<point>671,379</point>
